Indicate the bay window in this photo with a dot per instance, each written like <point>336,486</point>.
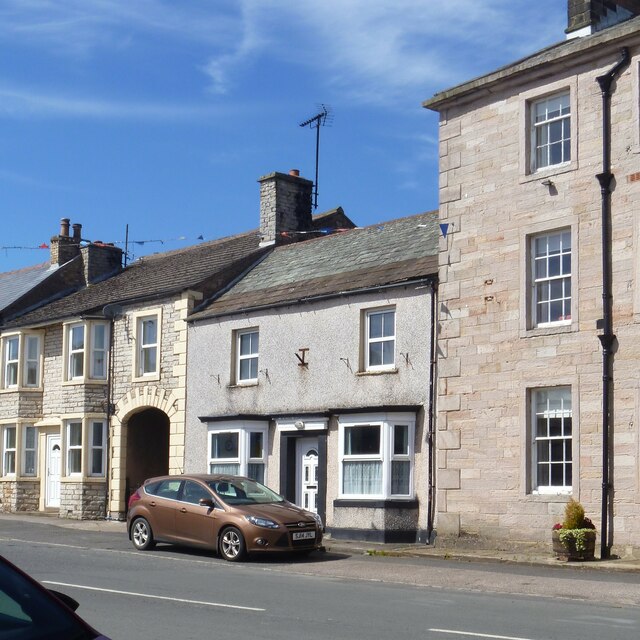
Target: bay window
<point>9,450</point>
<point>74,447</point>
<point>238,449</point>
<point>11,351</point>
<point>29,451</point>
<point>376,456</point>
<point>86,348</point>
<point>21,360</point>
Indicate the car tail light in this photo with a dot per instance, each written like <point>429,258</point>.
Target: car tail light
<point>135,496</point>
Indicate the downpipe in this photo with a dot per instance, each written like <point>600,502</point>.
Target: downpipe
<point>607,338</point>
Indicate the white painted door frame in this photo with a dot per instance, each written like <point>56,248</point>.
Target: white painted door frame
<point>307,473</point>
<point>53,466</point>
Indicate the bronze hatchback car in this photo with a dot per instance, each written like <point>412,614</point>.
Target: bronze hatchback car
<point>230,514</point>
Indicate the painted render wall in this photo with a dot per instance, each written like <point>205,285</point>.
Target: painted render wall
<point>331,330</point>
<point>489,358</point>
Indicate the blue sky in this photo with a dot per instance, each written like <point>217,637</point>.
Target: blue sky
<point>163,114</point>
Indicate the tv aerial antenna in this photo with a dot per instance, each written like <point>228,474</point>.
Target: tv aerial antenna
<point>321,119</point>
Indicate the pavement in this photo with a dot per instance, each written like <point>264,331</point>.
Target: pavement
<point>467,551</point>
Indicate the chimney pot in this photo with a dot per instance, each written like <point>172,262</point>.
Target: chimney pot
<point>294,172</point>
<point>77,231</point>
<point>64,227</point>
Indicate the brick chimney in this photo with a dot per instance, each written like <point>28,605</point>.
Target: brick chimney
<point>63,247</point>
<point>100,260</point>
<point>588,16</point>
<point>285,207</point>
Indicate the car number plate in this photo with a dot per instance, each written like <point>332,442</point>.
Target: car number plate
<point>304,535</point>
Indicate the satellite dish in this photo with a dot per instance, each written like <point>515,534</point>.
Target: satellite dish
<point>112,310</point>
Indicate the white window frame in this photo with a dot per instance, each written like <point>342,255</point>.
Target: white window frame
<point>34,362</point>
<point>540,131</point>
<point>76,355</point>
<point>96,351</point>
<point>140,346</point>
<point>9,450</point>
<point>548,439</point>
<point>243,460</point>
<point>99,447</point>
<point>10,361</point>
<point>87,353</point>
<point>75,447</point>
<point>26,449</point>
<point>543,286</point>
<point>386,455</point>
<point>370,340</point>
<point>247,357</point>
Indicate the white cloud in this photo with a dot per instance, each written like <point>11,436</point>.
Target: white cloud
<point>18,103</point>
<point>367,51</point>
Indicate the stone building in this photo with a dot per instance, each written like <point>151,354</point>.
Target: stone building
<point>314,374</point>
<point>106,406</point>
<point>539,303</point>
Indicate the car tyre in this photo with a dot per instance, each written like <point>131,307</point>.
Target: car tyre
<point>142,535</point>
<point>232,545</point>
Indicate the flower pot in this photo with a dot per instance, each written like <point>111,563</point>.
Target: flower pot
<point>567,549</point>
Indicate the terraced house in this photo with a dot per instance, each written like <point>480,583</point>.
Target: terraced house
<point>314,373</point>
<point>93,396</point>
<point>539,394</point>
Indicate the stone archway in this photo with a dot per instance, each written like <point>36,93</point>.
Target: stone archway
<point>147,453</point>
<point>145,428</point>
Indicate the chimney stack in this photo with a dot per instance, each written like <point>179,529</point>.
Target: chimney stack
<point>285,207</point>
<point>588,16</point>
<point>63,247</point>
<point>100,261</point>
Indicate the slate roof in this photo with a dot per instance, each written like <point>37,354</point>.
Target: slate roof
<point>154,276</point>
<point>392,252</point>
<point>15,284</point>
<point>206,267</point>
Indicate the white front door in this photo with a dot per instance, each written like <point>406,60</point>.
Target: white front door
<point>307,481</point>
<point>54,458</point>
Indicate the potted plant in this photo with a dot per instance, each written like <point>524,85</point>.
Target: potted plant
<point>575,537</point>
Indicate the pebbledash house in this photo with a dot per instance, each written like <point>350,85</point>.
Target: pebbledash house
<point>93,378</point>
<point>314,373</point>
<point>539,302</point>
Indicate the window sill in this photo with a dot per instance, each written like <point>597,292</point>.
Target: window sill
<point>550,330</point>
<point>548,172</point>
<point>83,381</point>
<point>558,496</point>
<point>376,503</point>
<point>243,385</point>
<point>377,372</point>
<point>151,377</point>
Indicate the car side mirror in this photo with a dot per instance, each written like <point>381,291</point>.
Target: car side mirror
<point>68,600</point>
<point>207,502</point>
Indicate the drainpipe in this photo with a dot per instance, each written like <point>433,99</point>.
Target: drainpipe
<point>607,338</point>
<point>431,430</point>
<point>111,311</point>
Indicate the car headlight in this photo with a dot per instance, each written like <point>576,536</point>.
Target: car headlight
<point>262,522</point>
<point>318,519</point>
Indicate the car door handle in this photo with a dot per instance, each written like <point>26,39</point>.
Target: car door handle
<point>183,510</point>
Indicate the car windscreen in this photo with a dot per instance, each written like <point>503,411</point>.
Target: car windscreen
<point>27,612</point>
<point>237,491</point>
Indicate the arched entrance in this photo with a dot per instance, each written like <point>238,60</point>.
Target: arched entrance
<point>147,434</point>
